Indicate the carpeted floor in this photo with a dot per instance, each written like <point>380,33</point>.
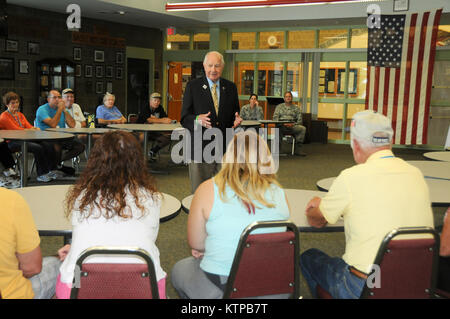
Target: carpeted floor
<point>323,160</point>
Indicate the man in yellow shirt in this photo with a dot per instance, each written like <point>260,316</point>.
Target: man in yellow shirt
<point>23,272</point>
<point>379,194</point>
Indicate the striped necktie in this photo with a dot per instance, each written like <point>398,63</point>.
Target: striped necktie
<point>215,98</point>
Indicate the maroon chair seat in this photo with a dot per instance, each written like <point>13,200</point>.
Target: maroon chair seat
<point>265,264</point>
<point>115,280</point>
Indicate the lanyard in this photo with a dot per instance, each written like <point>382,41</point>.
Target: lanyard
<point>16,118</point>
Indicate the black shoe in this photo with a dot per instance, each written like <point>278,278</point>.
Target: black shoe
<point>68,170</point>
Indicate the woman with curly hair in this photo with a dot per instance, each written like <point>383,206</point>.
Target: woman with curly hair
<point>114,203</point>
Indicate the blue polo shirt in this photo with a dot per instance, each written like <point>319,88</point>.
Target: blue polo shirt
<point>105,113</point>
<point>45,112</point>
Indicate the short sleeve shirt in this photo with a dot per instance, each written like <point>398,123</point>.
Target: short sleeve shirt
<point>105,113</point>
<point>45,112</point>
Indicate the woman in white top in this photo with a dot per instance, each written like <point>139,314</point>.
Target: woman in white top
<point>114,203</point>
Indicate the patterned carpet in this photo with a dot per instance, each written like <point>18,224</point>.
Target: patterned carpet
<point>323,160</point>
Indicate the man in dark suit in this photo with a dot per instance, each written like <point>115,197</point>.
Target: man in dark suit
<point>209,102</point>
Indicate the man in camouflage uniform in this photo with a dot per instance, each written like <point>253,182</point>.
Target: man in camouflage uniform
<point>288,111</point>
<point>252,111</point>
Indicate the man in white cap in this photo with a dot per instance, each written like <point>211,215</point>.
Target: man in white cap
<point>73,109</point>
<point>381,193</point>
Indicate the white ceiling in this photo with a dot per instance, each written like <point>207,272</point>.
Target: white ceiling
<point>151,13</point>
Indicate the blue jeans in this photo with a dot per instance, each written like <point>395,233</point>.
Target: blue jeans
<point>331,273</point>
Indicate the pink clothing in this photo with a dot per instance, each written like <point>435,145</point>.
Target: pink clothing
<point>63,290</point>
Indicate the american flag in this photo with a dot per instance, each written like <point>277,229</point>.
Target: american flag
<point>400,59</point>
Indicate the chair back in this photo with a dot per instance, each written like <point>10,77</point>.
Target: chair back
<point>112,280</point>
<point>265,264</point>
<point>407,267</point>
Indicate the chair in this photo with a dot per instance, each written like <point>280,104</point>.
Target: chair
<point>113,280</point>
<point>265,264</point>
<point>408,267</point>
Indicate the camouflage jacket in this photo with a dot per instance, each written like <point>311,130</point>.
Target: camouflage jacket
<point>247,113</point>
<point>288,113</point>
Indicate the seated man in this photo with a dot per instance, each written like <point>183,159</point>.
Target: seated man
<point>54,114</point>
<point>24,274</point>
<point>379,194</point>
<point>252,111</point>
<point>73,109</point>
<point>108,113</point>
<point>155,114</point>
<point>288,111</point>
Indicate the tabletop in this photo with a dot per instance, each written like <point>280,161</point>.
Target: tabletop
<point>157,127</point>
<point>33,135</point>
<point>80,130</point>
<point>439,189</point>
<point>298,199</point>
<point>433,169</point>
<point>47,206</point>
<point>438,156</point>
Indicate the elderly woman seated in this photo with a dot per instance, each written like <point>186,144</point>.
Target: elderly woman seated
<point>108,113</point>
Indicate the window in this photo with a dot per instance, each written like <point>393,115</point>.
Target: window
<point>243,40</point>
<point>201,41</point>
<point>302,39</point>
<point>271,40</point>
<point>178,42</point>
<point>359,38</point>
<point>333,39</point>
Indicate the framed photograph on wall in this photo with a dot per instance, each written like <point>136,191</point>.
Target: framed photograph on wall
<point>78,70</point>
<point>99,71</point>
<point>119,73</point>
<point>99,87</point>
<point>6,69</point>
<point>99,56</point>
<point>109,72</point>
<point>12,46</point>
<point>77,54</point>
<point>33,48</point>
<point>88,71</point>
<point>109,87</point>
<point>119,57</point>
<point>23,66</point>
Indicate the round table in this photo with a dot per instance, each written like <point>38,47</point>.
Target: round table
<point>47,206</point>
<point>81,130</point>
<point>298,199</point>
<point>24,136</point>
<point>250,123</point>
<point>439,189</point>
<point>145,128</point>
<point>438,156</point>
<point>433,169</point>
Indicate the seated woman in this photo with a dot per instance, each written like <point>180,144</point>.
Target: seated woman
<point>114,203</point>
<point>252,111</point>
<point>244,191</point>
<point>44,152</point>
<point>108,113</point>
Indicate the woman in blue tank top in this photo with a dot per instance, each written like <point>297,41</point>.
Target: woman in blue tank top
<point>244,191</point>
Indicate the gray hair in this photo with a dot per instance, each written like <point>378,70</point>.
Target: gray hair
<point>108,95</point>
<point>214,52</point>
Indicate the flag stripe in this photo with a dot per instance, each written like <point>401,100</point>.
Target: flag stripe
<point>418,65</point>
<point>386,90</point>
<point>437,17</point>
<point>395,104</point>
<point>409,70</point>
<point>376,89</point>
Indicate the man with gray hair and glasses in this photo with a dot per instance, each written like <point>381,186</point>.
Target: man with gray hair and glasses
<point>382,192</point>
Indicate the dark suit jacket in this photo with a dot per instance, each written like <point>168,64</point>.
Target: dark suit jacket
<point>198,100</point>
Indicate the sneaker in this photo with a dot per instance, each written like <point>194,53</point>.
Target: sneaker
<point>151,156</point>
<point>3,181</point>
<point>9,172</point>
<point>44,178</point>
<point>55,174</point>
<point>12,183</point>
